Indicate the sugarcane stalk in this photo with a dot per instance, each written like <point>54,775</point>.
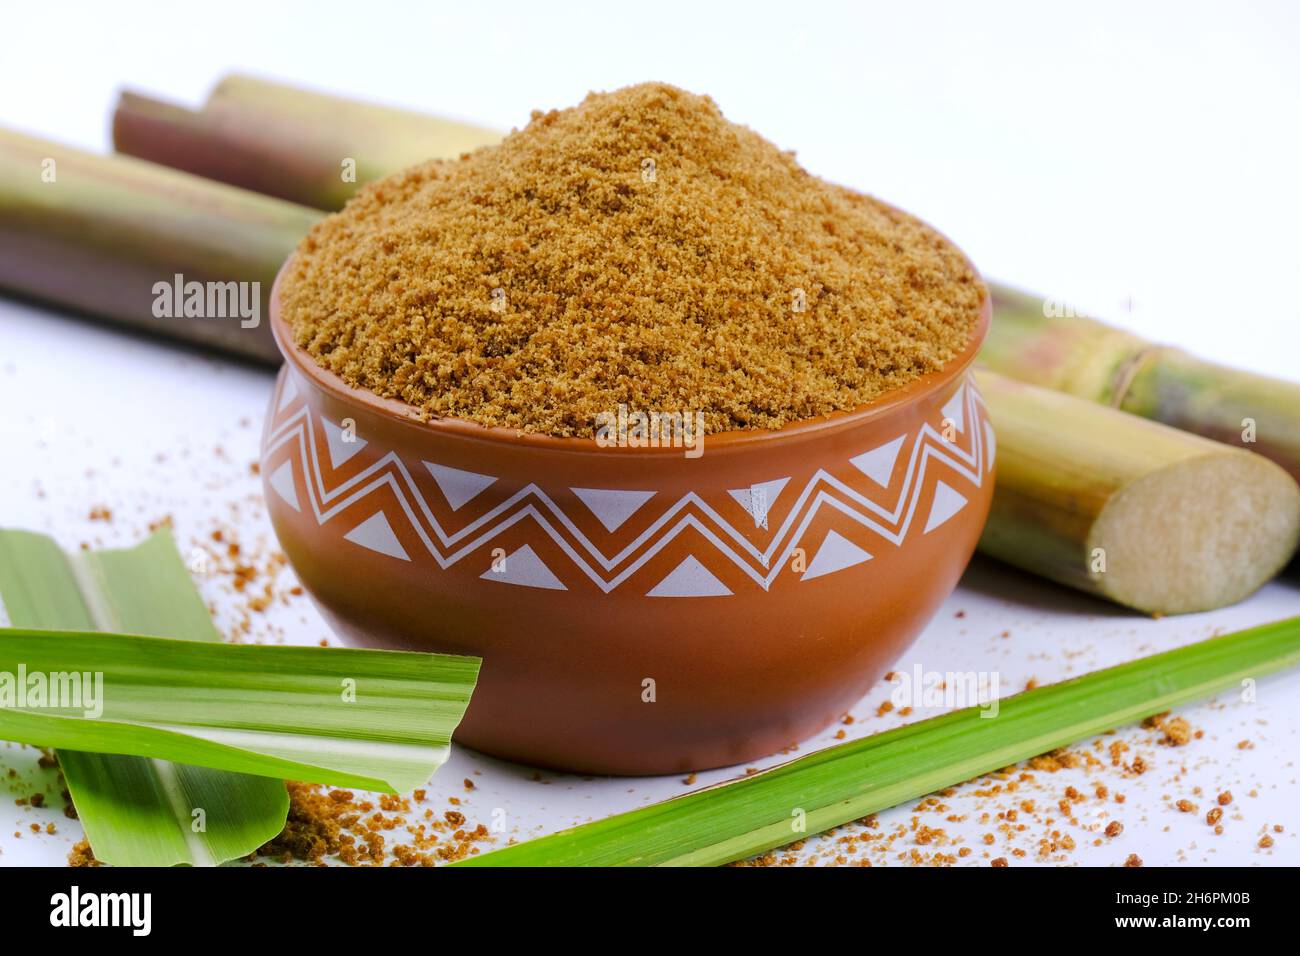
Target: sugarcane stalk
<point>1131,510</point>
<point>1094,361</point>
<point>99,233</point>
<point>284,141</point>
<point>298,139</point>
<point>300,145</point>
<point>1109,503</point>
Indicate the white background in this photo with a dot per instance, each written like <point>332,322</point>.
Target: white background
<point>1137,161</point>
<point>1106,153</point>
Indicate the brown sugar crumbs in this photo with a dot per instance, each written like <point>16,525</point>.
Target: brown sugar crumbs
<point>331,824</point>
<point>81,855</point>
<point>639,250</point>
<point>1027,812</point>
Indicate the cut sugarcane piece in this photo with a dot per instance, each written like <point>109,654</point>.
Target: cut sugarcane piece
<point>1131,510</point>
<point>99,233</point>
<point>297,144</point>
<point>1094,361</point>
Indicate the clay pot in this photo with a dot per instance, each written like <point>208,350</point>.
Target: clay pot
<point>637,610</point>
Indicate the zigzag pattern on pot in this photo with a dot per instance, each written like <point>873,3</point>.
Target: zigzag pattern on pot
<point>965,410</point>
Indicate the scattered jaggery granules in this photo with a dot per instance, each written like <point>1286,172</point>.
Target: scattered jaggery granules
<point>1177,732</point>
<point>319,825</point>
<point>1043,810</point>
<point>330,824</point>
<point>638,249</point>
<point>82,855</point>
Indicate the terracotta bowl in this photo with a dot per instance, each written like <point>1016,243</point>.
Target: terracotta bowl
<point>638,611</point>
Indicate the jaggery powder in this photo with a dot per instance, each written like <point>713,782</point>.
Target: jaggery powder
<point>639,250</point>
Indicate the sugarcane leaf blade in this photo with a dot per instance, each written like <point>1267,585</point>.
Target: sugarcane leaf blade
<point>381,720</point>
<point>831,787</point>
<point>377,720</point>
<point>151,812</point>
<point>122,802</point>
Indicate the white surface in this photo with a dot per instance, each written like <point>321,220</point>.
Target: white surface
<point>151,432</point>
<point>1133,159</point>
<point>1139,162</point>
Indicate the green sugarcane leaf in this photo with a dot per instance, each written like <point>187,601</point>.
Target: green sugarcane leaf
<point>735,820</point>
<point>379,720</point>
<point>138,811</point>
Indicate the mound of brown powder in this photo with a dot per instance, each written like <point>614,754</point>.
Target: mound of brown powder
<point>638,249</point>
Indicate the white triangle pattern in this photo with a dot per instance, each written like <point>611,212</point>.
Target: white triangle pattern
<point>955,410</point>
<point>612,506</point>
<point>690,579</point>
<point>298,434</point>
<point>947,502</point>
<point>288,393</point>
<point>341,451</point>
<point>456,485</point>
<point>991,443</point>
<point>758,498</point>
<point>525,569</point>
<point>282,481</point>
<point>835,554</point>
<point>878,464</point>
<point>377,534</point>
